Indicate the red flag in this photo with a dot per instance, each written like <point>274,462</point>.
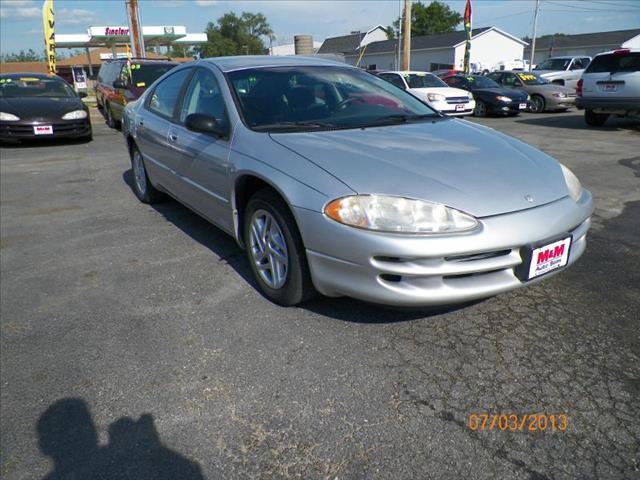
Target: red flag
<point>467,28</point>
<point>467,15</point>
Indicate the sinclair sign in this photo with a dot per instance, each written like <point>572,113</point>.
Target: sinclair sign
<point>109,31</point>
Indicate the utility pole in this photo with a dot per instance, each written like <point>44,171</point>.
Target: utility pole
<point>533,39</point>
<point>135,30</point>
<point>398,58</point>
<point>406,39</point>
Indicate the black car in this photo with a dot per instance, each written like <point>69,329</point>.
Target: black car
<point>38,106</point>
<point>490,97</point>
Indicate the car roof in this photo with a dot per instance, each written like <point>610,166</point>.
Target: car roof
<point>402,72</point>
<point>142,60</point>
<point>229,64</point>
<point>630,50</point>
<point>30,74</point>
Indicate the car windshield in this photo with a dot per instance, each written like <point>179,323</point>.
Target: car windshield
<point>143,75</point>
<point>34,87</point>
<point>477,81</point>
<point>423,80</point>
<point>321,97</point>
<point>554,64</point>
<point>531,79</point>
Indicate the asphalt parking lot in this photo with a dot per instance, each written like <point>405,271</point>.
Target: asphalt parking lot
<point>134,345</point>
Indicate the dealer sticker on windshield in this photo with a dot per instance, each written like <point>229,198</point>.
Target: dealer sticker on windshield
<point>549,257</point>
<point>43,130</point>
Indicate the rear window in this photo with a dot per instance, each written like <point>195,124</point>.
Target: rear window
<point>615,62</point>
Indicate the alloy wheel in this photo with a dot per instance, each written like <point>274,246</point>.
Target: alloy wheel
<point>139,173</point>
<point>268,249</point>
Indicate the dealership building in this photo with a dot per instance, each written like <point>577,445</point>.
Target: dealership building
<point>583,44</point>
<point>489,46</point>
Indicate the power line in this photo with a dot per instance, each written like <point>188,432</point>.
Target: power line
<point>588,9</point>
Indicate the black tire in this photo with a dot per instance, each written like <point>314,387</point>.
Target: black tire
<point>537,104</point>
<point>480,110</point>
<point>594,119</point>
<point>297,287</point>
<point>108,115</point>
<point>142,187</point>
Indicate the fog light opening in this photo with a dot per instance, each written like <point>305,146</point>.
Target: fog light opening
<point>388,277</point>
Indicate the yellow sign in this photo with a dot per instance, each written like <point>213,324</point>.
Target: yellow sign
<point>49,34</point>
<point>527,76</point>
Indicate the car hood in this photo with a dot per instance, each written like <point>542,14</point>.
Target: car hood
<point>507,92</point>
<point>457,163</point>
<point>40,108</point>
<point>446,91</point>
<point>549,88</point>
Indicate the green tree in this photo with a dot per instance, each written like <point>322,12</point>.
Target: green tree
<point>430,19</point>
<point>28,56</point>
<point>233,35</point>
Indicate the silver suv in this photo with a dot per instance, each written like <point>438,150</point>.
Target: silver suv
<point>610,86</point>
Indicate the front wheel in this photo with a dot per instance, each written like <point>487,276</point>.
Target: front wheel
<point>537,104</point>
<point>594,119</point>
<point>480,110</point>
<point>275,250</point>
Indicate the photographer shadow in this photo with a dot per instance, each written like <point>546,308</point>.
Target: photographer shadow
<point>67,434</point>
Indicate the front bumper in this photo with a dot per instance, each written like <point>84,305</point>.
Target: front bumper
<point>556,103</point>
<point>412,270</point>
<point>64,129</point>
<point>454,107</point>
<point>506,108</point>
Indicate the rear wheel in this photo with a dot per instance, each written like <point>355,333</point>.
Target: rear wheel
<point>142,187</point>
<point>537,104</point>
<point>108,115</point>
<point>481,109</point>
<point>275,250</point>
<point>594,119</point>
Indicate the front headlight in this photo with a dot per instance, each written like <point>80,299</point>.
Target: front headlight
<point>573,184</point>
<point>75,115</point>
<point>398,214</point>
<point>502,98</point>
<point>8,117</point>
<point>469,96</point>
<point>435,97</point>
<point>559,95</point>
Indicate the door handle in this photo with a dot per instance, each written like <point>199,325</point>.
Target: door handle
<point>173,137</point>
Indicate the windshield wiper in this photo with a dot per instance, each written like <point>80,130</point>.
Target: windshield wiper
<point>401,118</point>
<point>293,126</point>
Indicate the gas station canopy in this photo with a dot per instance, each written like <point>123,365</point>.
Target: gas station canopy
<point>108,36</point>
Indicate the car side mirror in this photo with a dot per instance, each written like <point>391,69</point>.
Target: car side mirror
<point>120,84</point>
<point>82,94</point>
<point>199,122</point>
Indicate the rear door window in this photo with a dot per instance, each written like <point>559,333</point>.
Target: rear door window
<point>615,62</point>
<point>165,96</point>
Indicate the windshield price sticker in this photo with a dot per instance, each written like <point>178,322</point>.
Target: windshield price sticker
<point>527,76</point>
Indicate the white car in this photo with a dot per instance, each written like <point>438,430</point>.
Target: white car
<point>610,86</point>
<point>430,89</point>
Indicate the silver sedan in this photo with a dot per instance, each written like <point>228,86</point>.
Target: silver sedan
<point>335,181</point>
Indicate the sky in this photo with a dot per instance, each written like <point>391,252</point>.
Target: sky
<point>21,20</point>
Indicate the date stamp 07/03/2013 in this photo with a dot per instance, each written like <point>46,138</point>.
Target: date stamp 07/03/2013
<point>515,422</point>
